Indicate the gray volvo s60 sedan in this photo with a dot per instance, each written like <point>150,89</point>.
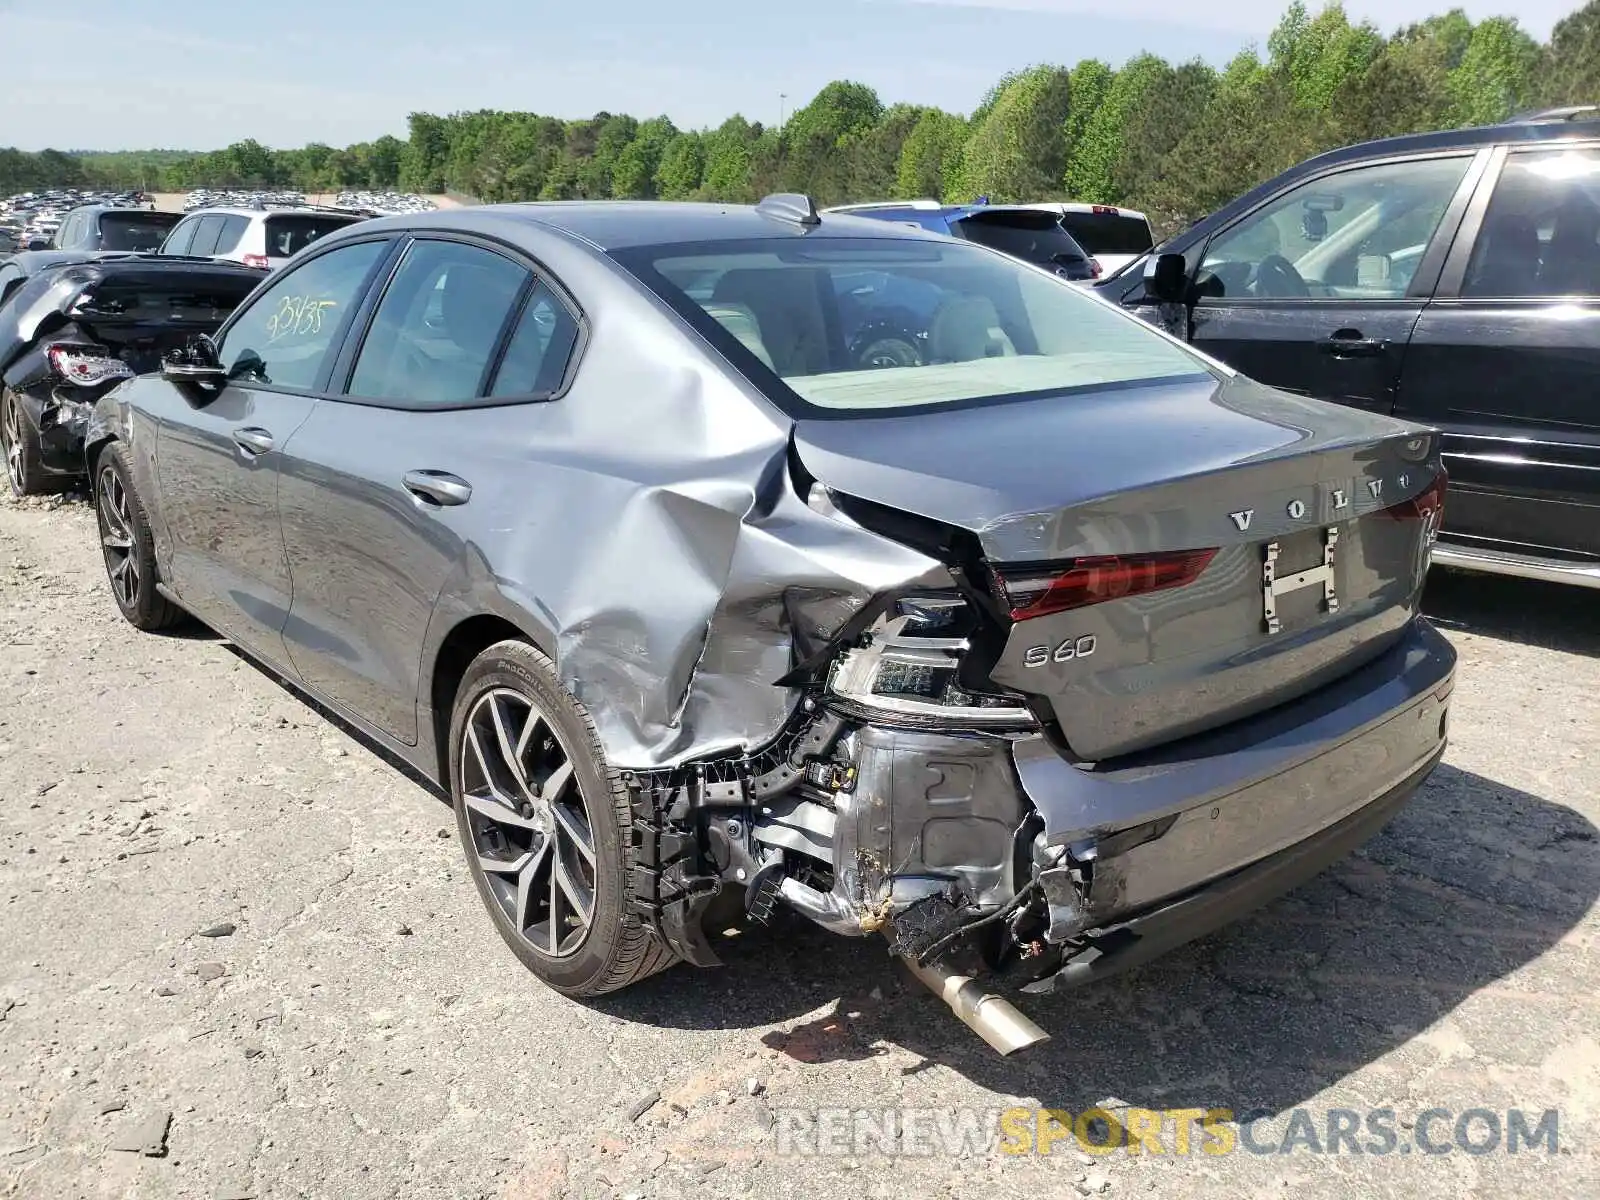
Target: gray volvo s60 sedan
<point>1035,651</point>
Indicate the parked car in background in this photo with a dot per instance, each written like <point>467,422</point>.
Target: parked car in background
<point>74,326</point>
<point>1115,236</point>
<point>1038,657</point>
<point>257,237</point>
<point>1448,278</point>
<point>1016,230</point>
<point>107,227</point>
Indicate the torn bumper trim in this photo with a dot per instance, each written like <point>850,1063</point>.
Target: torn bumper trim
<point>1154,933</point>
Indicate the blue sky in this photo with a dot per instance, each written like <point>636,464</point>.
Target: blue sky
<point>196,74</point>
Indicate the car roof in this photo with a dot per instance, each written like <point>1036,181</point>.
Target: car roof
<point>608,225</point>
<point>1533,129</point>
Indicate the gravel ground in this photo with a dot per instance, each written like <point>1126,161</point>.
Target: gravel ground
<point>361,1031</point>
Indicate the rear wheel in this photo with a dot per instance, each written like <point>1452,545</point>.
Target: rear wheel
<point>128,547</point>
<point>546,823</point>
<point>20,440</point>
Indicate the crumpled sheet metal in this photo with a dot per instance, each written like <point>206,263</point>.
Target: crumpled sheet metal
<point>688,668</point>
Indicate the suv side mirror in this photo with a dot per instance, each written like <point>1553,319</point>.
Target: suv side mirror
<point>1166,281</point>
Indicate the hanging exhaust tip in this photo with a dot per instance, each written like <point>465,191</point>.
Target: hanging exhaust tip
<point>993,1018</point>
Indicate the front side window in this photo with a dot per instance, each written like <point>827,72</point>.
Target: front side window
<point>1357,235</point>
<point>283,338</point>
<point>1541,235</point>
<point>859,325</point>
<point>437,327</point>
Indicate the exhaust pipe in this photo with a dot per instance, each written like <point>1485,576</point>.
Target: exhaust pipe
<point>993,1018</point>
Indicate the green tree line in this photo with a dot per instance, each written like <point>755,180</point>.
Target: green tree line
<point>1174,139</point>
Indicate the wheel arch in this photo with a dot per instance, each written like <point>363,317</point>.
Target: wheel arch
<point>467,638</point>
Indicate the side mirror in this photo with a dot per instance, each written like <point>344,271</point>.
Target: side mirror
<point>195,363</point>
<point>1166,281</point>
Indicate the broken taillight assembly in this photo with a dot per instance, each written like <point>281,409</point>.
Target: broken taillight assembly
<point>86,366</point>
<point>1031,592</point>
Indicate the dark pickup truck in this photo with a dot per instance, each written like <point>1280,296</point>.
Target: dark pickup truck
<point>1448,278</point>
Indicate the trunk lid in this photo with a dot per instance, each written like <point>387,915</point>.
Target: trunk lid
<point>140,314</point>
<point>1215,479</point>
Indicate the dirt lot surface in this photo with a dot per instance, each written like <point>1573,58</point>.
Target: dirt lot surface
<point>362,1032</point>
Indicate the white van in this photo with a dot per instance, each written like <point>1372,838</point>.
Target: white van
<point>1115,236</point>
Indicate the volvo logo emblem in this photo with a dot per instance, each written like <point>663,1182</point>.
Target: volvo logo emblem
<point>1243,519</point>
<point>1297,509</point>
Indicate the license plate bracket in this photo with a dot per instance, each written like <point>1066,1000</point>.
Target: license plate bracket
<point>1273,585</point>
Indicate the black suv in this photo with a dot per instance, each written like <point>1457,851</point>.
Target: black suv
<point>111,227</point>
<point>1451,278</point>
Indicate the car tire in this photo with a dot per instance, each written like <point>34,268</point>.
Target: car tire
<point>546,826</point>
<point>128,547</point>
<point>19,442</point>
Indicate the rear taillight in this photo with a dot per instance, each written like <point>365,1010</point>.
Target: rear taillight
<point>1426,505</point>
<point>1030,593</point>
<point>86,366</point>
<point>256,260</point>
<point>1095,269</point>
<point>1106,210</point>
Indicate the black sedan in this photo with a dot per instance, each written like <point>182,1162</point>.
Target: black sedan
<point>72,326</point>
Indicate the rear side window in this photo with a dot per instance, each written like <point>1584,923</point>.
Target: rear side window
<point>1541,235</point>
<point>181,238</point>
<point>139,231</point>
<point>205,235</point>
<point>232,234</point>
<point>436,329</point>
<point>293,232</point>
<point>536,358</point>
<point>284,336</point>
<point>1109,232</point>
<point>1034,237</point>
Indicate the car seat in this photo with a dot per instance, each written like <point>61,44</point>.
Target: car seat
<point>787,308</point>
<point>965,328</point>
<point>738,320</point>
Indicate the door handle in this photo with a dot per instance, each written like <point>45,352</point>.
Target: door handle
<point>437,487</point>
<point>1348,343</point>
<point>252,441</point>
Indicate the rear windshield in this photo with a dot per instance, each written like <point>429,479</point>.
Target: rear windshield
<point>293,232</point>
<point>1107,233</point>
<point>135,230</point>
<point>846,326</point>
<point>1035,237</point>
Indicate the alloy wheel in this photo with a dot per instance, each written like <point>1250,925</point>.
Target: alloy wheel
<point>531,832</point>
<point>13,431</point>
<point>116,538</point>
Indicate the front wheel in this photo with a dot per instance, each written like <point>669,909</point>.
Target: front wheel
<point>545,824</point>
<point>128,547</point>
